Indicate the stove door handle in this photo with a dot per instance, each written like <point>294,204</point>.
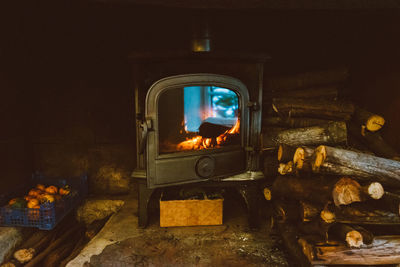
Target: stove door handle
<point>143,140</point>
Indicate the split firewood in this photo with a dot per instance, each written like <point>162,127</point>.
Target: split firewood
<point>367,121</point>
<point>327,215</point>
<point>302,158</point>
<point>270,167</point>
<point>330,133</point>
<point>289,236</point>
<point>319,92</point>
<point>309,211</point>
<point>315,227</point>
<point>375,142</point>
<point>286,211</point>
<point>79,245</point>
<point>42,255</point>
<point>292,122</point>
<point>347,191</point>
<point>354,237</point>
<point>58,254</point>
<point>285,153</point>
<point>313,190</point>
<point>332,160</point>
<point>286,168</point>
<point>307,79</point>
<point>323,109</point>
<point>33,246</point>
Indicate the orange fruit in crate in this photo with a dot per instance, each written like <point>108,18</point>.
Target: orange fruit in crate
<point>40,187</point>
<point>51,189</point>
<point>64,191</point>
<point>12,201</point>
<point>33,203</point>
<point>34,213</point>
<point>34,192</point>
<point>47,198</point>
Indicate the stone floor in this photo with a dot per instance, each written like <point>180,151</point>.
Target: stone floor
<point>122,243</point>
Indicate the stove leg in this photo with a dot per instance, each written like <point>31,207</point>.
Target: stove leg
<point>251,196</point>
<point>144,199</point>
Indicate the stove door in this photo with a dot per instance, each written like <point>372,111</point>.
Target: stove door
<point>197,129</point>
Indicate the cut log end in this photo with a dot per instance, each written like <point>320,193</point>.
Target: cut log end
<point>375,123</point>
<point>267,193</point>
<point>320,156</point>
<point>346,191</point>
<point>375,190</point>
<point>354,239</point>
<point>298,158</point>
<point>280,152</point>
<point>24,255</point>
<point>328,216</point>
<point>287,168</point>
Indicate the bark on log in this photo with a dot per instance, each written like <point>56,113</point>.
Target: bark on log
<point>60,253</point>
<point>346,233</point>
<point>374,141</point>
<point>372,122</point>
<point>289,187</point>
<point>309,211</point>
<point>330,133</point>
<point>315,227</point>
<point>34,245</point>
<point>307,79</point>
<point>324,109</point>
<point>75,251</point>
<point>285,153</point>
<point>286,211</point>
<point>320,92</point>
<point>293,122</point>
<point>38,258</point>
<point>349,163</point>
<point>289,233</point>
<point>270,167</point>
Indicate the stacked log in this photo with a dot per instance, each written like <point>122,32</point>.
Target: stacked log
<point>325,187</point>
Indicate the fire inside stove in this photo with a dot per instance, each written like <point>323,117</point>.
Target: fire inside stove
<point>197,118</point>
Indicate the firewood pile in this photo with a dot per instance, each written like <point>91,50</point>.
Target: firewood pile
<point>334,183</point>
<point>56,247</point>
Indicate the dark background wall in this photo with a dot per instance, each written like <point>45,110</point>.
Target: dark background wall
<point>67,86</point>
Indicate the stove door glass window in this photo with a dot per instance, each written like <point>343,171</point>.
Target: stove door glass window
<point>198,117</point>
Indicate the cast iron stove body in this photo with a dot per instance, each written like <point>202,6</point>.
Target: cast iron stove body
<point>200,127</point>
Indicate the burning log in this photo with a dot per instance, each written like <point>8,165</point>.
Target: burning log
<point>292,122</point>
<point>213,128</point>
<point>324,109</point>
<point>307,79</point>
<point>330,133</point>
<point>354,237</point>
<point>368,120</point>
<point>375,142</point>
<point>349,163</point>
<point>321,92</point>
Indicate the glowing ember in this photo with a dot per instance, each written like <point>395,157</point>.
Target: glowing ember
<point>198,142</point>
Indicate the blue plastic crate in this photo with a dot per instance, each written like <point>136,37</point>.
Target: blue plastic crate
<point>49,214</point>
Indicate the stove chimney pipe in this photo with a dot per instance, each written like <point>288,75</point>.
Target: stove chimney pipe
<point>201,37</point>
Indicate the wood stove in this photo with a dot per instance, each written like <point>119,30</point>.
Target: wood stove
<point>198,122</point>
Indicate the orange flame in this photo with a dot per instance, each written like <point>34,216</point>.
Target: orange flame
<point>198,142</point>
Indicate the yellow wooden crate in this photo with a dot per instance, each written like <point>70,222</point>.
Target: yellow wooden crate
<point>191,212</point>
